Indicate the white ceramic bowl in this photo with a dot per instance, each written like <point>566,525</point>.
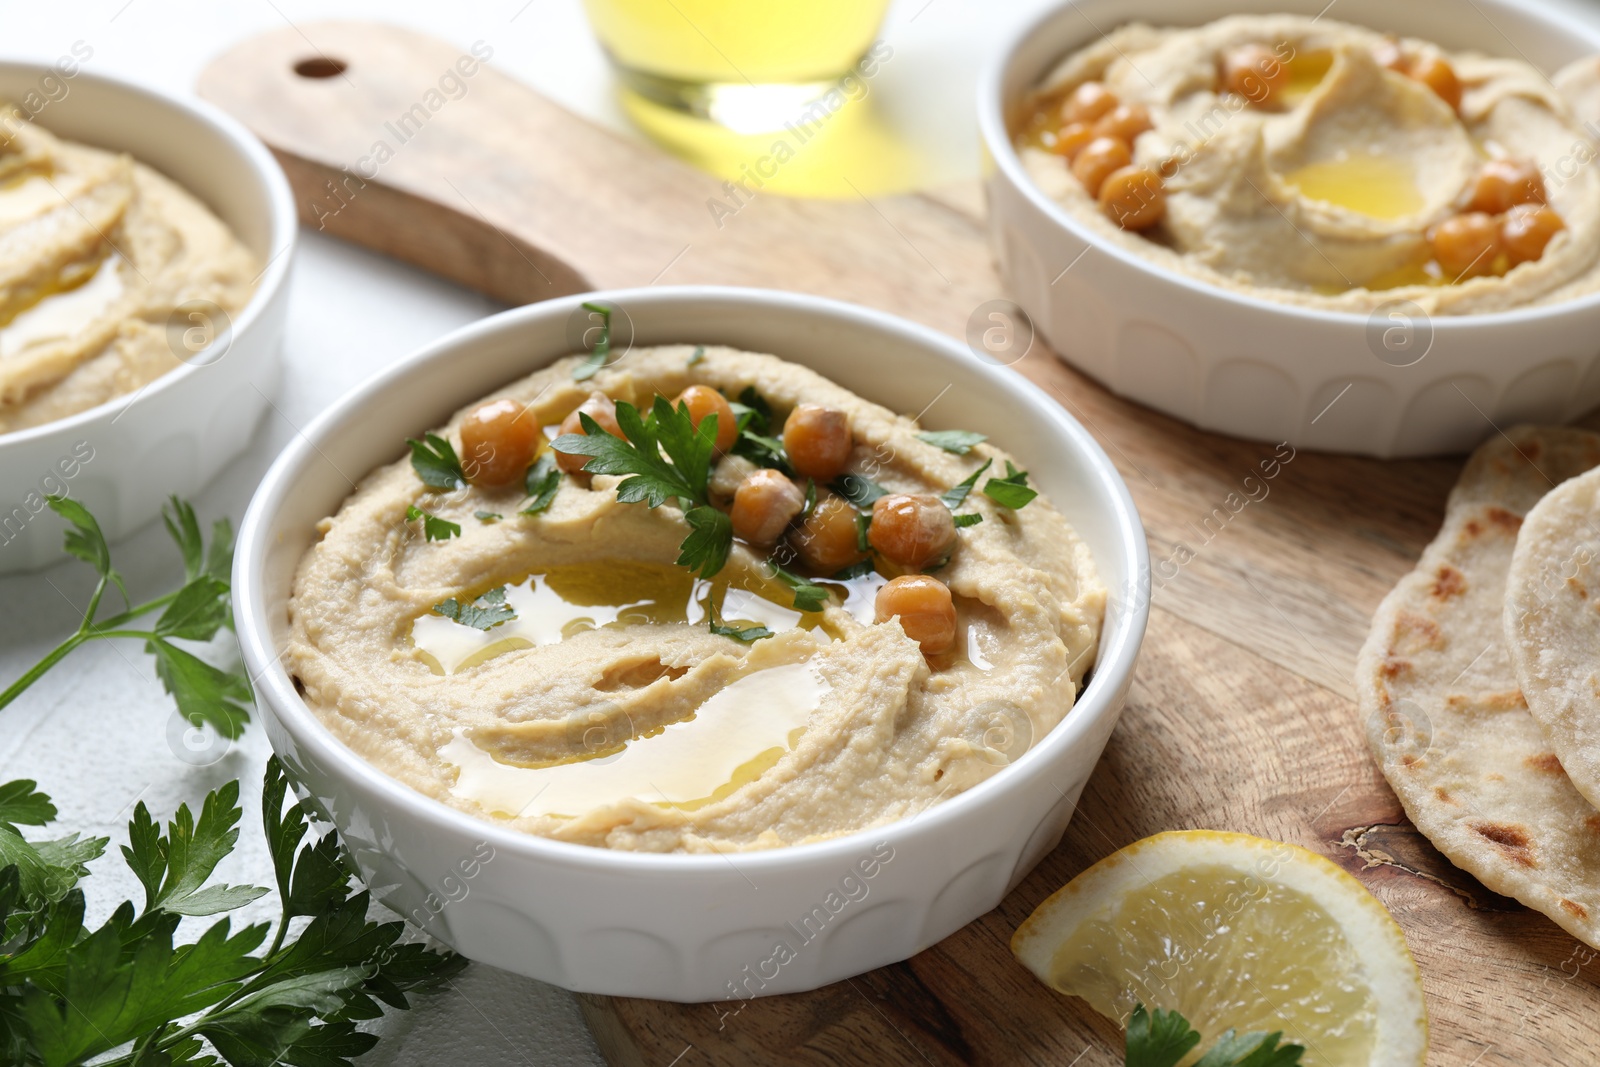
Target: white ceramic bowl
<point>687,927</point>
<point>174,435</point>
<point>1251,367</point>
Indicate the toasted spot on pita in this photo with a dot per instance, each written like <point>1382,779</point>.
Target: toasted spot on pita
<point>1593,823</point>
<point>1573,908</point>
<point>1546,762</point>
<point>1509,839</point>
<point>1414,633</point>
<point>1504,700</point>
<point>1448,582</point>
<point>1393,668</point>
<point>1508,521</point>
<point>1444,794</point>
<point>1408,760</point>
<point>1578,587</point>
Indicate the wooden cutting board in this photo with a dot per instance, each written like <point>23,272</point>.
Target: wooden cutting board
<point>1241,716</point>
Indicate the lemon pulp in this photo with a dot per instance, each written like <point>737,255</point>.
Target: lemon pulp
<point>1226,948</point>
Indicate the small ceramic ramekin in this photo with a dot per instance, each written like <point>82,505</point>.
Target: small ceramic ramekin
<point>692,927</point>
<point>1387,384</point>
<point>126,456</point>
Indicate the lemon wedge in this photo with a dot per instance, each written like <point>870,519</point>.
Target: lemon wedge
<point>1235,932</point>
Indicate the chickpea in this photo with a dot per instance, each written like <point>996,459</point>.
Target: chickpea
<point>1466,245</point>
<point>1134,198</point>
<point>1097,160</point>
<point>912,531</point>
<point>703,400</point>
<point>1504,183</point>
<point>603,410</point>
<point>1387,53</point>
<point>827,540</point>
<point>818,441</point>
<point>926,611</point>
<point>764,505</point>
<point>498,441</point>
<point>1071,138</point>
<point>1526,229</point>
<point>1087,103</point>
<point>1437,74</point>
<point>1254,72</point>
<point>1124,122</point>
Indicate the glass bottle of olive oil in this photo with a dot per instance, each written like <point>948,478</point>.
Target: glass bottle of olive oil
<point>746,64</point>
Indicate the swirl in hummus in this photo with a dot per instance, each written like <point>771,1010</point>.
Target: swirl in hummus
<point>1317,163</point>
<point>523,645</point>
<point>97,252</point>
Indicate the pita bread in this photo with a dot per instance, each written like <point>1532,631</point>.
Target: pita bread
<point>1444,716</point>
<point>1552,624</point>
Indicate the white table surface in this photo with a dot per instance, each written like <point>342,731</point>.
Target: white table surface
<point>94,733</point>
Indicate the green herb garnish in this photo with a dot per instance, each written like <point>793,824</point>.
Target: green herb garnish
<point>972,518</point>
<point>487,516</point>
<point>541,482</point>
<point>719,629</point>
<point>756,405</point>
<point>484,613</point>
<point>956,442</point>
<point>436,463</point>
<point>762,451</point>
<point>69,993</point>
<point>1012,491</point>
<point>811,502</point>
<point>863,528</point>
<point>859,490</point>
<point>1163,1038</point>
<point>808,596</point>
<point>682,474</point>
<point>697,355</point>
<point>954,496</point>
<point>855,570</point>
<point>204,694</point>
<point>602,345</point>
<point>433,527</point>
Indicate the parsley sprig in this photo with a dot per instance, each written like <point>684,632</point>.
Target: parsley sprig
<point>1163,1038</point>
<point>665,458</point>
<point>433,527</point>
<point>195,612</point>
<point>1012,491</point>
<point>69,993</point>
<point>482,613</point>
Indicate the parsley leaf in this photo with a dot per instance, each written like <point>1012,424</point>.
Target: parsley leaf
<point>436,463</point>
<point>433,527</point>
<point>541,482</point>
<point>808,596</point>
<point>682,474</point>
<point>198,612</point>
<point>863,527</point>
<point>1163,1038</point>
<point>697,355</point>
<point>762,451</point>
<point>1012,491</point>
<point>753,410</point>
<point>174,869</point>
<point>954,496</point>
<point>859,490</point>
<point>705,550</point>
<point>1158,1040</point>
<point>203,693</point>
<point>72,994</point>
<point>602,345</point>
<point>746,635</point>
<point>87,542</point>
<point>484,613</point>
<point>971,518</point>
<point>487,517</point>
<point>956,442</point>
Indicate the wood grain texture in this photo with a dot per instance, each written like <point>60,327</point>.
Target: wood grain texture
<point>1241,715</point>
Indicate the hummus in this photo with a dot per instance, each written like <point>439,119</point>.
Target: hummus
<point>605,709</point>
<point>97,253</point>
<point>1332,196</point>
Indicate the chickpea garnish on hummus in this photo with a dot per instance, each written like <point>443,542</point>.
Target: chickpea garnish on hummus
<point>1314,162</point>
<point>702,599</point>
